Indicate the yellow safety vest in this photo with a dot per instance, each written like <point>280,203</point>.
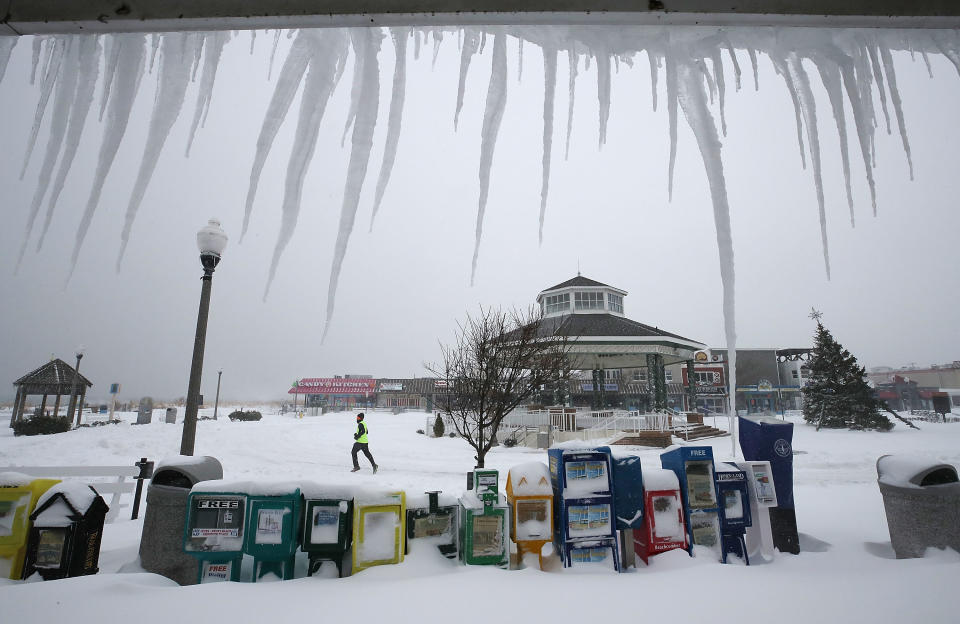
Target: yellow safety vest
<point>363,437</point>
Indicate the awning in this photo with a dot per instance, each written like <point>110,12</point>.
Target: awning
<point>324,385</point>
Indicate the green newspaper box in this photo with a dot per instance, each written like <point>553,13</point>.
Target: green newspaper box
<point>214,531</point>
<point>483,525</point>
<point>273,534</point>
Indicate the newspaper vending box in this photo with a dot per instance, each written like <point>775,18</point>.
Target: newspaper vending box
<point>214,534</point>
<point>735,516</point>
<point>664,526</point>
<point>693,466</point>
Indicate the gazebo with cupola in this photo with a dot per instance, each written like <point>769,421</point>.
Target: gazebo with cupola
<point>591,315</point>
<point>55,378</point>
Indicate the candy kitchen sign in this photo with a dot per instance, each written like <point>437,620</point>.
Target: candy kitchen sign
<point>323,385</point>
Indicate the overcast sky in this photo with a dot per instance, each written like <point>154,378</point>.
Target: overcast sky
<point>892,300</point>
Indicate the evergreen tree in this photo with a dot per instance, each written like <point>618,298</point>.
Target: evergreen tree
<point>837,394</point>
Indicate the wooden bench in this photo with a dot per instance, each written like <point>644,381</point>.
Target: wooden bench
<point>116,486</point>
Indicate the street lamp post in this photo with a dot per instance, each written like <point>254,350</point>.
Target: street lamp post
<point>73,390</point>
<point>216,402</point>
<point>211,240</point>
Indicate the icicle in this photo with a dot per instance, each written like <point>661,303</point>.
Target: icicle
<point>878,75</point>
<point>549,94</point>
<point>603,95</point>
<point>63,98</point>
<point>897,104</point>
<point>753,64</point>
<point>366,42</point>
<point>197,55</point>
<point>6,47</point>
<point>437,40</point>
<point>355,89</point>
<point>672,101</point>
<point>781,66</point>
<point>50,78</point>
<point>471,38</point>
<point>178,49</point>
<point>400,36</point>
<point>808,108</point>
<point>830,76</point>
<point>861,122</point>
<point>520,59</point>
<point>283,93</point>
<point>492,116</point>
<point>573,62</point>
<point>112,58</point>
<point>483,40</point>
<point>253,40</point>
<point>128,76</point>
<point>654,76</point>
<point>926,60</point>
<point>88,68</point>
<point>733,60</point>
<point>273,52</point>
<point>693,100</point>
<point>717,61</point>
<point>327,46</point>
<point>214,43</point>
<point>154,47</point>
<point>416,45</point>
<point>37,48</point>
<point>711,83</point>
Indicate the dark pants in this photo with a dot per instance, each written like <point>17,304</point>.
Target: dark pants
<point>357,447</point>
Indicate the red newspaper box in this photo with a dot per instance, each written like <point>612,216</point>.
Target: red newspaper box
<point>663,525</point>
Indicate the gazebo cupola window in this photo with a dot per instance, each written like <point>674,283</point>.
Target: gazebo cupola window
<point>581,295</point>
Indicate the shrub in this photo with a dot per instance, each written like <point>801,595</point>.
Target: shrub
<point>421,432</point>
<point>245,416</point>
<point>438,427</point>
<point>100,423</point>
<point>41,425</point>
<point>452,434</point>
<point>510,442</point>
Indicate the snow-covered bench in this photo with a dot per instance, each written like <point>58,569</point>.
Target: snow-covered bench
<point>113,480</point>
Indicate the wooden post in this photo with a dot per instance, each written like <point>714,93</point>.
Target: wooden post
<point>83,396</point>
<point>56,406</point>
<point>43,405</point>
<point>17,406</point>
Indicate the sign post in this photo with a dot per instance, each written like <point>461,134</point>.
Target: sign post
<point>114,391</point>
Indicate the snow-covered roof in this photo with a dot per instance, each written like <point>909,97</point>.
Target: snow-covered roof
<point>660,479</point>
<point>14,479</point>
<point>530,479</point>
<point>253,488</point>
<point>79,495</point>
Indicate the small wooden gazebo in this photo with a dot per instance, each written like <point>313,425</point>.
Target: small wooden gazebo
<point>55,378</point>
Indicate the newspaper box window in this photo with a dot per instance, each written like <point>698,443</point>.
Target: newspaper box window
<point>434,519</point>
<point>379,523</point>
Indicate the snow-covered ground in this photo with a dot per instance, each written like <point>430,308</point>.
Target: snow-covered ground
<point>846,572</point>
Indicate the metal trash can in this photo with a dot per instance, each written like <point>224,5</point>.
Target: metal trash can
<point>922,502</point>
<point>161,543</point>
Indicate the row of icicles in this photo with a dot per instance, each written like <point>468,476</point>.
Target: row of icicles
<point>853,67</point>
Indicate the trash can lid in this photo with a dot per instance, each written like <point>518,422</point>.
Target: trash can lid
<point>186,470</point>
<point>910,471</point>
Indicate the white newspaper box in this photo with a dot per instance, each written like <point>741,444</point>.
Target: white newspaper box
<point>763,496</point>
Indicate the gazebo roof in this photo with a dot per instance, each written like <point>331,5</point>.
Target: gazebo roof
<point>53,376</point>
<point>579,280</point>
<point>593,325</point>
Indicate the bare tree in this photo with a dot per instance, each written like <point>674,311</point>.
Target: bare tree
<point>498,360</point>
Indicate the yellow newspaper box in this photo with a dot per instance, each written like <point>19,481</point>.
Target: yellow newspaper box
<point>18,498</point>
<point>530,496</point>
<point>379,526</point>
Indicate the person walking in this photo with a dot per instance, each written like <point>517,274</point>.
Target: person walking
<point>361,444</point>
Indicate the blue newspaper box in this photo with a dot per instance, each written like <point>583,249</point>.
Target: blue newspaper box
<point>583,494</point>
<point>735,517</point>
<point>693,466</point>
<point>764,438</point>
<point>627,503</point>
